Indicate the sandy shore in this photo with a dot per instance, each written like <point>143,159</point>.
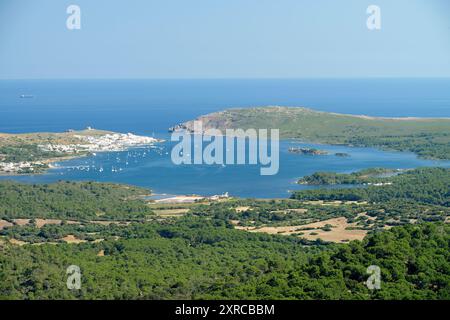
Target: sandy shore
<point>180,199</point>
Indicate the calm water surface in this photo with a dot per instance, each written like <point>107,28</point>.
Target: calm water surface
<point>149,107</point>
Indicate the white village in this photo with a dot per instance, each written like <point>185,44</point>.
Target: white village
<point>89,144</point>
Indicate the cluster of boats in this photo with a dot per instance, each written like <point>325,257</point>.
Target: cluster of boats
<point>118,161</point>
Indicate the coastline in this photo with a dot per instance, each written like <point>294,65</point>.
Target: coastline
<point>426,137</point>
<point>59,147</point>
<point>177,199</point>
<point>146,173</point>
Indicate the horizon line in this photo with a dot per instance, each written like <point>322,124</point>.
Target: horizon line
<point>230,78</point>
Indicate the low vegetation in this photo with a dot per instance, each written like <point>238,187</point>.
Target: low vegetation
<point>429,138</point>
<point>25,147</point>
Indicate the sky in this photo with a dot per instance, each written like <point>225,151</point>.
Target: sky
<point>224,39</point>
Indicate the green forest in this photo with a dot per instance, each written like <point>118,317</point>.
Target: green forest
<point>366,176</point>
<point>72,200</point>
<point>425,185</point>
<point>201,255</point>
<point>198,259</point>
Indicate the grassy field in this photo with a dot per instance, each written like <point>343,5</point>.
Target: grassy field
<point>429,138</point>
<point>47,137</point>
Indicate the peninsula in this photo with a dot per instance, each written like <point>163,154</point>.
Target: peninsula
<point>427,137</point>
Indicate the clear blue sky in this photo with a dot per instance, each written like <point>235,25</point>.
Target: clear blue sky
<point>224,39</point>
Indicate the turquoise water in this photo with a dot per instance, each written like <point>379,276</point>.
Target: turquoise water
<point>149,107</point>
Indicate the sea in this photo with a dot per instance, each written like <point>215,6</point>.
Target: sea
<point>150,107</point>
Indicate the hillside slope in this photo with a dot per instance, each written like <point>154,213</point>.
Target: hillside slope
<point>426,137</point>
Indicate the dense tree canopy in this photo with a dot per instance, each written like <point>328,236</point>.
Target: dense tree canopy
<point>200,255</point>
<point>427,185</point>
<point>194,259</point>
<point>69,200</point>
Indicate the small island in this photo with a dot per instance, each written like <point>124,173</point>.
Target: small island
<point>342,154</point>
<point>307,151</point>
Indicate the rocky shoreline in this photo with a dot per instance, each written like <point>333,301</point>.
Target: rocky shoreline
<point>307,151</point>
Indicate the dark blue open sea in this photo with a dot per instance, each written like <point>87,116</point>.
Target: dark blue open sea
<point>150,107</point>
